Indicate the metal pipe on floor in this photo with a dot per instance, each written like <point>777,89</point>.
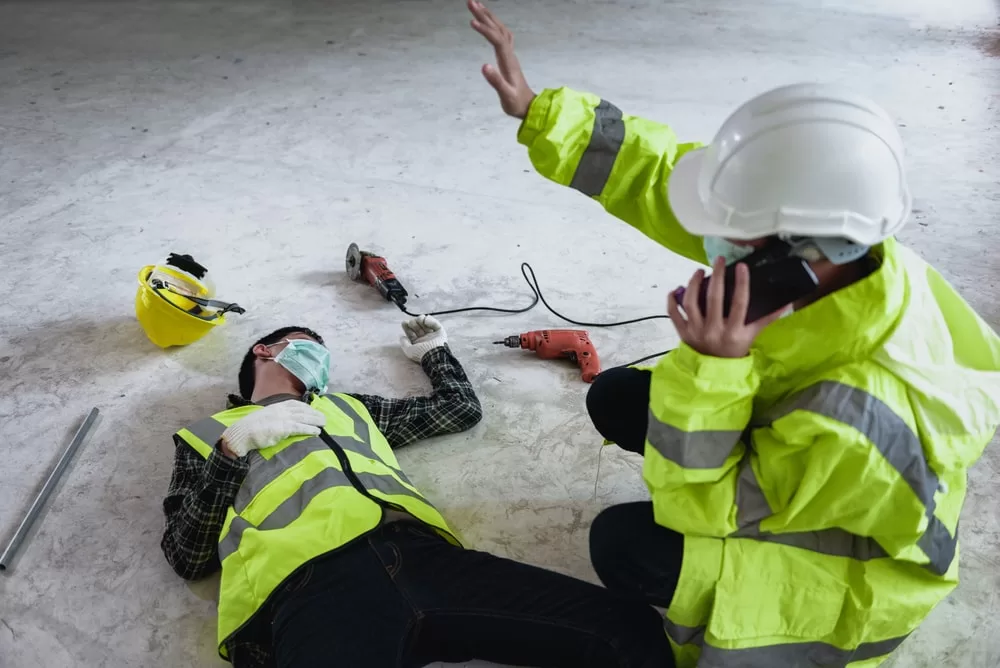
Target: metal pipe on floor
<point>46,491</point>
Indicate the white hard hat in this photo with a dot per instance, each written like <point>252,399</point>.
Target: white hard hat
<point>803,160</point>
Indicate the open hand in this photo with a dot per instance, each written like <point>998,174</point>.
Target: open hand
<point>506,78</point>
<point>711,333</point>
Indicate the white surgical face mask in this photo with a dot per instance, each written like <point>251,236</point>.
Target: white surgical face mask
<point>719,247</point>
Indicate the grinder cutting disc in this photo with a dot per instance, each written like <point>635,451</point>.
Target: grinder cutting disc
<point>353,262</point>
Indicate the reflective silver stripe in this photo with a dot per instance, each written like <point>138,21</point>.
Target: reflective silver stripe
<point>362,445</point>
<point>939,545</point>
<point>751,504</point>
<point>870,650</point>
<point>292,507</point>
<point>361,427</point>
<point>387,485</point>
<point>834,542</point>
<point>752,507</point>
<point>795,655</point>
<point>599,157</point>
<point>894,440</point>
<point>684,635</point>
<point>286,513</point>
<point>209,430</point>
<point>265,471</point>
<point>691,449</point>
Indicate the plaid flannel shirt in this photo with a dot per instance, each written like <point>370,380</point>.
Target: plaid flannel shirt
<point>202,490</point>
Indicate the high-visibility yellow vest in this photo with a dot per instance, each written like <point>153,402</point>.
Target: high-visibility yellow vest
<point>301,499</point>
<point>818,482</point>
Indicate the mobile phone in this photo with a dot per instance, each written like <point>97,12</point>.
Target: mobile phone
<point>774,282</point>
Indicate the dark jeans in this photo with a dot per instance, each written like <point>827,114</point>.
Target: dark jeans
<point>404,597</point>
<point>631,553</point>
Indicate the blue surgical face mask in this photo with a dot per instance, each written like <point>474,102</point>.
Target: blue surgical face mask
<point>308,361</point>
<point>719,247</point>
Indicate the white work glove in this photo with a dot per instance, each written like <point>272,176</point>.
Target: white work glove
<point>423,334</point>
<point>271,425</point>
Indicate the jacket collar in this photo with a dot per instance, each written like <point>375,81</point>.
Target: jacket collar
<point>841,328</point>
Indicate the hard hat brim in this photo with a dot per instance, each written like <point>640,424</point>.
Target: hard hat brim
<point>688,207</point>
<point>686,202</point>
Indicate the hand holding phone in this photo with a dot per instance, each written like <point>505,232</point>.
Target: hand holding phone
<point>776,280</point>
<point>724,314</point>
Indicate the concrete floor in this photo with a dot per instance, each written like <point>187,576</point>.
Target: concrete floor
<point>264,137</point>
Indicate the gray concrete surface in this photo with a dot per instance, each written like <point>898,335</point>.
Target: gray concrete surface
<point>263,137</point>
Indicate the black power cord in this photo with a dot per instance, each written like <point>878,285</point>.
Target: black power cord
<point>529,276</point>
<point>525,269</point>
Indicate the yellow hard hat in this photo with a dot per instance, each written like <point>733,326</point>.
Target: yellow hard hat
<point>174,302</point>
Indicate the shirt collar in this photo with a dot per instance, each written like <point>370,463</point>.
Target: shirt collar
<point>278,398</point>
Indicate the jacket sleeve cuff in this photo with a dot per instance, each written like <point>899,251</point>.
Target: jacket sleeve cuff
<point>695,392</point>
<point>712,369</point>
<point>537,119</point>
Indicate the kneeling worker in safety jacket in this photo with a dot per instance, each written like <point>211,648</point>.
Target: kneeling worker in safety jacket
<point>330,556</point>
<point>807,469</point>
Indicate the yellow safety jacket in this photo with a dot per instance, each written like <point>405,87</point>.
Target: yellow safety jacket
<point>301,499</point>
<point>818,481</point>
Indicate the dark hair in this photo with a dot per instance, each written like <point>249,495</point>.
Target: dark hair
<point>247,371</point>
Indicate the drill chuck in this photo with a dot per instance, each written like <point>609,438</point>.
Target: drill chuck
<point>511,341</point>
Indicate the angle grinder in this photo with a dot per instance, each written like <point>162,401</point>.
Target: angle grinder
<point>373,269</point>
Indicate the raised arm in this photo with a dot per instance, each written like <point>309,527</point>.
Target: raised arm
<point>452,405</point>
<point>586,143</point>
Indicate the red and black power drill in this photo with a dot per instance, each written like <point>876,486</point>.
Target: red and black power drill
<point>550,344</point>
<point>373,269</point>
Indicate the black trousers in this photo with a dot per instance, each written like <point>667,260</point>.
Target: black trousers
<point>404,597</point>
<point>631,553</point>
